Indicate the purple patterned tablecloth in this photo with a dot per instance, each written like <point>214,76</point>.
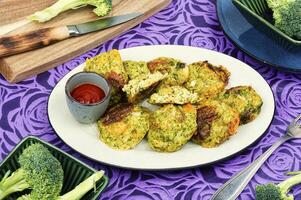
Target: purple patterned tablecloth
<point>23,111</point>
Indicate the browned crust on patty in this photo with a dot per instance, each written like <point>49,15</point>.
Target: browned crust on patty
<point>237,89</point>
<point>221,71</point>
<point>115,79</point>
<point>205,117</point>
<point>154,64</point>
<point>144,94</point>
<point>117,113</point>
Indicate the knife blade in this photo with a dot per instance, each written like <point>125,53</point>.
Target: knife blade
<point>10,45</point>
<point>80,29</point>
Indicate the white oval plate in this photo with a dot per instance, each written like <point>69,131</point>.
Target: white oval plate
<point>84,138</point>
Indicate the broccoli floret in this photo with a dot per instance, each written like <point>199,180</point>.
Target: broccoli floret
<point>277,3</point>
<point>77,193</point>
<point>278,192</point>
<point>39,170</point>
<point>287,16</point>
<point>103,7</point>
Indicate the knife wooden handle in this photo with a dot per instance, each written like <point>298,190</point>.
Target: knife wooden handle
<point>10,45</point>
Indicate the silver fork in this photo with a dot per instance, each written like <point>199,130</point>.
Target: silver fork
<point>233,187</point>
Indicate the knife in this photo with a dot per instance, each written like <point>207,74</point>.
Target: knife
<point>10,45</point>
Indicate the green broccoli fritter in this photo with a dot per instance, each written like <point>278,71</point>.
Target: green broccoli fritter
<point>176,70</point>
<point>217,122</point>
<point>245,100</point>
<point>171,127</point>
<point>207,80</point>
<point>124,126</point>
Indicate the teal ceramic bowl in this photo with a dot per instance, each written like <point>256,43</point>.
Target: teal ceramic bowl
<point>87,113</point>
<point>75,171</point>
<point>259,15</point>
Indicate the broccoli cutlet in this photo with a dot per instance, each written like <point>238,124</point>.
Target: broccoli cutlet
<point>207,80</point>
<point>139,88</point>
<point>216,123</point>
<point>124,126</point>
<point>245,100</point>
<point>171,127</point>
<point>177,70</point>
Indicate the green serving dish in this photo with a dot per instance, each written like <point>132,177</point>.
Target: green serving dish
<point>75,171</point>
<point>259,15</point>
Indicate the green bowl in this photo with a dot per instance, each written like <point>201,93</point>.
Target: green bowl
<point>75,171</point>
<point>259,15</point>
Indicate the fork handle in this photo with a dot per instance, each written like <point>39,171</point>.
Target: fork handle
<point>233,187</point>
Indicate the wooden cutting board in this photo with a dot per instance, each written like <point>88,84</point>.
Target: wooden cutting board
<point>13,20</point>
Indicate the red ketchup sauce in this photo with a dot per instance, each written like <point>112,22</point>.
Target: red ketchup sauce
<point>88,93</point>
